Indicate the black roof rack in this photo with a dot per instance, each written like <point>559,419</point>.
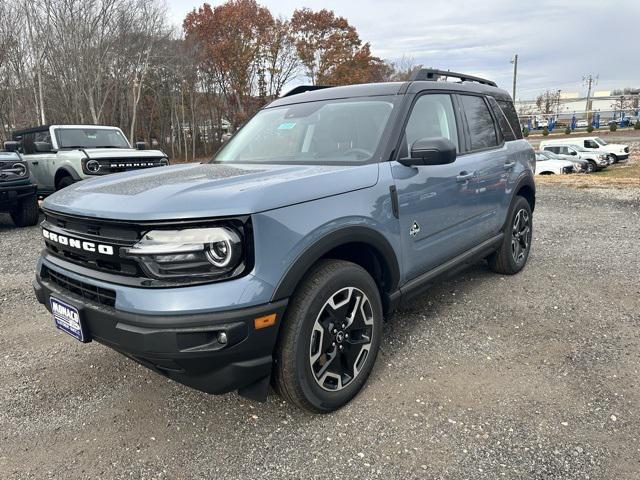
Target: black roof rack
<point>304,88</point>
<point>434,75</point>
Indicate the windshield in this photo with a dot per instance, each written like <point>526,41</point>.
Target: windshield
<point>326,132</point>
<point>600,141</point>
<point>91,138</point>
<point>542,156</point>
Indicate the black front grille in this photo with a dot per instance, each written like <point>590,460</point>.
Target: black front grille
<point>90,293</point>
<point>115,165</point>
<point>116,236</point>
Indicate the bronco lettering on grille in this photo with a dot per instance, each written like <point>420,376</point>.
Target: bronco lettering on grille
<point>78,244</point>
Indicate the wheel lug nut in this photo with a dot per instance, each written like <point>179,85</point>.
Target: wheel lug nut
<point>340,347</point>
<point>346,335</point>
<point>334,331</point>
<point>333,344</point>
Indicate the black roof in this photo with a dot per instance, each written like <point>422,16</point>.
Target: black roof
<point>469,84</point>
<point>41,128</point>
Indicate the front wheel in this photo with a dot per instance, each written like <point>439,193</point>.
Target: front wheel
<point>64,182</point>
<point>26,212</point>
<point>330,337</point>
<point>591,167</point>
<point>513,253</point>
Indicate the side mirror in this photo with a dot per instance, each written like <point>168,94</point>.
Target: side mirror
<point>431,151</point>
<point>574,153</point>
<point>141,145</point>
<point>42,147</point>
<point>11,146</point>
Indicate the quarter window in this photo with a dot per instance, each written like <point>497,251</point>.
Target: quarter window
<point>507,131</point>
<point>432,117</point>
<point>481,127</point>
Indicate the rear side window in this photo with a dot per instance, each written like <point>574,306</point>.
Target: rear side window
<point>481,127</point>
<point>507,131</point>
<point>510,112</point>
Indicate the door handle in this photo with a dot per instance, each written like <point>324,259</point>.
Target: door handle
<point>465,176</point>
<point>509,165</point>
<point>34,163</point>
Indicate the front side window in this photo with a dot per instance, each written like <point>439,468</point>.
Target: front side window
<point>431,117</point>
<point>591,144</point>
<point>91,138</point>
<point>324,132</point>
<point>480,121</point>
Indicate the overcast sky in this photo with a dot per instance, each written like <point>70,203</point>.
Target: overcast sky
<point>557,42</point>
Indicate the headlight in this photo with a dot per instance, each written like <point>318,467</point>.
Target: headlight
<point>193,253</point>
<point>19,169</point>
<point>93,166</point>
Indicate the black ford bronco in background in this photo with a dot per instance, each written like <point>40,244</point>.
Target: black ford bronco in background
<point>17,191</point>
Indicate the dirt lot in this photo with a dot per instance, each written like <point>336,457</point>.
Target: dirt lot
<point>485,377</point>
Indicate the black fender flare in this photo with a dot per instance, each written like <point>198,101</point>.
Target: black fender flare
<point>525,180</point>
<point>68,171</point>
<point>332,240</point>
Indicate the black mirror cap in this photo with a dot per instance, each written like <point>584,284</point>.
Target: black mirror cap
<point>141,145</point>
<point>11,146</point>
<point>431,151</point>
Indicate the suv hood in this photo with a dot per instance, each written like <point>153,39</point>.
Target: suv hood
<point>98,153</point>
<point>206,190</point>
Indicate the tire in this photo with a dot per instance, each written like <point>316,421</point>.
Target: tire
<point>592,167</point>
<point>514,250</point>
<point>318,365</point>
<point>614,158</point>
<point>64,181</point>
<point>26,212</point>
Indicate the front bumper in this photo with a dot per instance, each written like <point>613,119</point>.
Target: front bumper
<point>11,194</point>
<point>184,348</point>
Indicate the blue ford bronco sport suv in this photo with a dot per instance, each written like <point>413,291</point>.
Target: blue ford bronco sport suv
<point>278,260</point>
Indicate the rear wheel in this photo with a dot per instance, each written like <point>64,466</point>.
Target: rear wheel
<point>513,253</point>
<point>330,337</point>
<point>25,214</point>
<point>592,167</point>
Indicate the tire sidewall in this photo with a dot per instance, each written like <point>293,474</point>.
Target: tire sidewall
<point>320,399</point>
<point>518,204</point>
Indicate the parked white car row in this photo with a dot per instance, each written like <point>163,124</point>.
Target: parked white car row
<point>598,153</point>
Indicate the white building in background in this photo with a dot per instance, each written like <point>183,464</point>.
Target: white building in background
<point>573,103</point>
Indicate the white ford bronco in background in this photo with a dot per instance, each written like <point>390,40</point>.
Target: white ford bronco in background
<point>59,155</point>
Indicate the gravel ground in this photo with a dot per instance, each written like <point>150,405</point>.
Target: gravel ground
<point>485,377</point>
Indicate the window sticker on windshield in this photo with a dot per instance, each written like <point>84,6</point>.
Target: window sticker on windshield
<point>286,126</point>
<point>92,136</point>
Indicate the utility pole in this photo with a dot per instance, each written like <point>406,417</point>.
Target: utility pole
<point>590,81</point>
<point>515,74</point>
